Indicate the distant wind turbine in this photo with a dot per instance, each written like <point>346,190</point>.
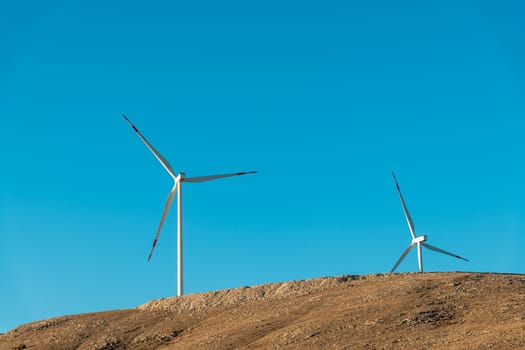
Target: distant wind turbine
<point>419,241</point>
<point>178,180</point>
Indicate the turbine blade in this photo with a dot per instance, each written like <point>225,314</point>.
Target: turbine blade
<point>407,214</point>
<point>157,155</point>
<point>402,257</point>
<point>436,249</point>
<point>164,213</point>
<point>215,177</point>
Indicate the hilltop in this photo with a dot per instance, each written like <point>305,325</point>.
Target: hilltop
<point>395,311</point>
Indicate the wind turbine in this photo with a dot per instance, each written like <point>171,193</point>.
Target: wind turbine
<point>178,180</point>
<point>419,241</point>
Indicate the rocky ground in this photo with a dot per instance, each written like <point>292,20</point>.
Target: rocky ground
<point>395,311</point>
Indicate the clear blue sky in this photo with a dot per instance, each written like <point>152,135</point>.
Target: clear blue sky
<point>324,99</point>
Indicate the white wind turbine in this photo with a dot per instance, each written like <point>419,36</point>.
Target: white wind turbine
<point>419,241</point>
<point>178,180</point>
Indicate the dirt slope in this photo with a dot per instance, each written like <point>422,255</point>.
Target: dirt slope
<point>402,311</point>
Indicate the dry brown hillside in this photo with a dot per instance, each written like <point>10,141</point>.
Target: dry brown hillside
<point>398,311</point>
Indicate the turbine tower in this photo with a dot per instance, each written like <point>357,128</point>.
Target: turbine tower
<point>177,185</point>
<point>419,241</point>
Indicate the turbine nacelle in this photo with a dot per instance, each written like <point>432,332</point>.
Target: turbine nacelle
<point>419,239</point>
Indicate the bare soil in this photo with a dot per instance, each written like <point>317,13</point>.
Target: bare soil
<point>395,311</point>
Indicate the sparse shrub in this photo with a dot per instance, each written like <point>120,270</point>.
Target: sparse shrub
<point>20,346</point>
